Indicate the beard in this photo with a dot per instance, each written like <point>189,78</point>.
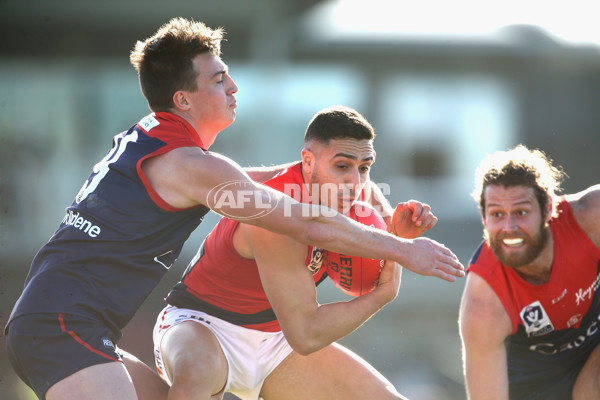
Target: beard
<point>533,247</point>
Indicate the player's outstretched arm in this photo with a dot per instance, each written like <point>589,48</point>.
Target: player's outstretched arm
<point>484,325</point>
<point>186,177</point>
<point>289,285</point>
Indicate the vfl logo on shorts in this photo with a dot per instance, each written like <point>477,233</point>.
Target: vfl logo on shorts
<point>536,320</point>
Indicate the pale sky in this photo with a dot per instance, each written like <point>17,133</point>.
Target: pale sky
<point>573,21</point>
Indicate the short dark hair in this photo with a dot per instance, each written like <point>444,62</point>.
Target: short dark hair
<point>518,167</point>
<point>338,122</point>
<point>164,61</point>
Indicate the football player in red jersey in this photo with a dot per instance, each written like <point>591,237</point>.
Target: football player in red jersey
<point>530,307</point>
<point>245,318</point>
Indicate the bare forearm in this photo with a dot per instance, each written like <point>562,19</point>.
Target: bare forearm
<point>486,370</point>
<point>345,236</point>
<point>319,226</point>
<point>332,322</point>
<point>325,228</point>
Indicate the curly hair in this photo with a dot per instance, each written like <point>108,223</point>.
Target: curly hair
<point>164,61</point>
<point>518,167</point>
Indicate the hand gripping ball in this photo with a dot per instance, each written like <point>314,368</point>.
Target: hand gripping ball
<point>356,276</point>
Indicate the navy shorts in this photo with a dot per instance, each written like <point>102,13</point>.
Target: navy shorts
<point>46,348</point>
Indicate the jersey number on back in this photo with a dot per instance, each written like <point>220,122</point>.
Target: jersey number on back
<point>101,169</point>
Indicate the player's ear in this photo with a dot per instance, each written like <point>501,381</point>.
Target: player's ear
<point>180,101</point>
<point>308,160</point>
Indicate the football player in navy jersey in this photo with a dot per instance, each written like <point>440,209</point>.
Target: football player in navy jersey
<point>127,225</point>
<point>530,309</point>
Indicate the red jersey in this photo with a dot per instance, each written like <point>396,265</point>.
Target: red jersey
<point>555,325</point>
<point>221,282</point>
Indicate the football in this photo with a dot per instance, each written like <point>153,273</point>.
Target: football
<point>356,276</point>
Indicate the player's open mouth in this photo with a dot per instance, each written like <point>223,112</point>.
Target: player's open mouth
<point>513,242</point>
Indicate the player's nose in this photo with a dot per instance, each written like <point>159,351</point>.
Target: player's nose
<point>509,224</point>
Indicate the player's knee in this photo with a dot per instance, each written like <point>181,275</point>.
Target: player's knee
<point>196,383</point>
<point>199,373</point>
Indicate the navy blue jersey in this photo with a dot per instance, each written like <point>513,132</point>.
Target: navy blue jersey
<point>118,238</point>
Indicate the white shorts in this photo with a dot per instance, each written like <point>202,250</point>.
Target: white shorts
<point>252,355</point>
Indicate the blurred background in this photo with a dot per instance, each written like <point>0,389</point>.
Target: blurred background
<point>443,83</point>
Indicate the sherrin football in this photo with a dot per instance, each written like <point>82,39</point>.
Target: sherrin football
<point>356,276</point>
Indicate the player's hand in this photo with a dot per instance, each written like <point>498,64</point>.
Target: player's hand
<point>389,279</point>
<point>411,219</point>
<point>430,258</point>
